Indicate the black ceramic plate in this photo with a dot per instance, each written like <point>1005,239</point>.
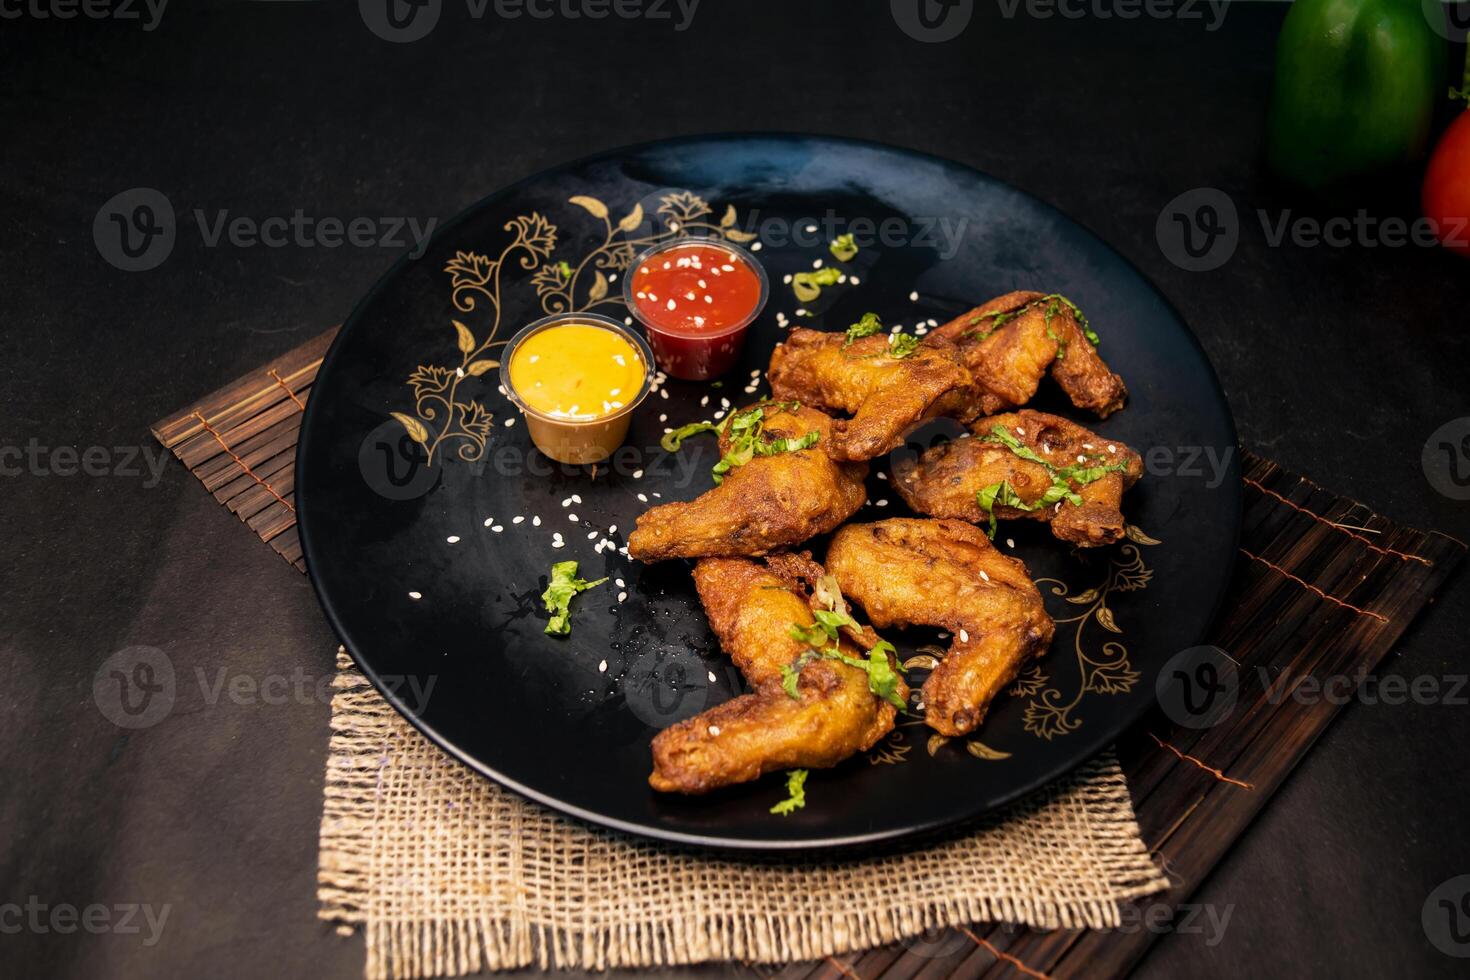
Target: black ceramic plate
<point>443,611</point>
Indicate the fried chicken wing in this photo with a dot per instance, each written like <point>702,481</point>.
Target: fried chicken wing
<point>751,608</point>
<point>907,571</point>
<point>1009,342</point>
<point>769,503</point>
<point>886,395</point>
<point>946,481</point>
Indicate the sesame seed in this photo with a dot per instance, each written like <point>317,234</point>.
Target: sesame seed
<point>663,393</point>
<point>489,521</point>
<point>576,499</point>
<point>964,636</point>
<point>882,475</point>
<point>1010,542</point>
<point>453,539</point>
<point>914,296</point>
<point>612,529</point>
<point>622,596</point>
<point>883,502</point>
<point>572,518</point>
<point>984,576</point>
<point>415,595</point>
<point>1112,449</point>
<point>714,729</point>
<point>510,422</point>
<point>591,536</point>
<point>602,667</point>
<point>728,268</point>
<point>643,497</point>
<point>618,582</point>
<point>671,304</point>
<point>566,501</point>
<point>558,544</point>
<point>638,474</point>
<point>786,278</point>
<point>817,264</point>
<point>756,247</point>
<point>855,280</point>
<point>498,528</point>
<point>536,522</point>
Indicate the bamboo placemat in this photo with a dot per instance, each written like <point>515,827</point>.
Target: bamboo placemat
<point>1323,587</point>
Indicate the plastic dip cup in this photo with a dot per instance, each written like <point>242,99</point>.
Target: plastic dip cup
<point>695,297</point>
<point>576,377</point>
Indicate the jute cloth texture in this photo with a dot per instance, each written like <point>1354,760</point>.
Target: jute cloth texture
<point>446,873</point>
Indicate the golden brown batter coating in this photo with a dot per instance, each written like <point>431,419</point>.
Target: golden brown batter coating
<point>751,609</point>
<point>947,479</point>
<point>906,571</point>
<point>771,502</point>
<point>1009,342</point>
<point>886,395</point>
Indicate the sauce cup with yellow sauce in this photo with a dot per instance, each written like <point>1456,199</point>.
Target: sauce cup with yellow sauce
<point>576,377</point>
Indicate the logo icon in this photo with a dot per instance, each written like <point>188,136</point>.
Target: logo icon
<point>1446,459</point>
<point>134,688</point>
<point>663,687</point>
<point>936,943</point>
<point>400,21</point>
<point>1197,687</point>
<point>134,230</point>
<point>394,465</point>
<point>1199,230</point>
<point>1446,917</point>
<point>932,21</point>
<point>1451,20</point>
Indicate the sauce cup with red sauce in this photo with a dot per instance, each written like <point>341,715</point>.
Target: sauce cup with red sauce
<point>695,297</point>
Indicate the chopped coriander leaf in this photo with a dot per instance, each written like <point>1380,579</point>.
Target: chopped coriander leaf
<point>882,679</point>
<point>1063,481</point>
<point>792,672</point>
<point>902,345</point>
<point>843,248</point>
<point>865,327</point>
<point>673,440</point>
<point>808,285</point>
<point>988,323</point>
<point>745,431</point>
<point>795,793</point>
<point>557,598</point>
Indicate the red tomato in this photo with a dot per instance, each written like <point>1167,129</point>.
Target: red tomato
<point>1447,187</point>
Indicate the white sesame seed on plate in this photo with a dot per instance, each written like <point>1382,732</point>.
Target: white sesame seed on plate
<point>663,393</point>
<point>811,229</point>
<point>638,474</point>
<point>882,475</point>
<point>756,247</point>
<point>415,595</point>
<point>510,422</point>
<point>817,264</point>
<point>612,529</point>
<point>536,521</point>
<point>489,521</point>
<point>618,582</point>
<point>786,278</point>
<point>855,280</point>
<point>453,539</point>
<point>566,501</point>
<point>914,296</point>
<point>498,528</point>
<point>643,497</point>
<point>1010,542</point>
<point>517,519</point>
<point>756,373</point>
<point>591,536</point>
<point>711,676</point>
<point>602,667</point>
<point>883,502</point>
<point>572,518</point>
<point>622,597</point>
<point>576,498</point>
<point>558,544</point>
<point>719,415</point>
<point>704,401</point>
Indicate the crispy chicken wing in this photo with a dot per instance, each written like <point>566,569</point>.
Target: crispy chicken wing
<point>769,503</point>
<point>887,395</point>
<point>1009,342</point>
<point>906,572</point>
<point>946,481</point>
<point>751,608</point>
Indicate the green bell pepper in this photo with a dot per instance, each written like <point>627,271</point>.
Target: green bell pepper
<point>1357,82</point>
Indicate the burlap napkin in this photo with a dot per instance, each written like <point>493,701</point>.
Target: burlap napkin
<point>449,874</point>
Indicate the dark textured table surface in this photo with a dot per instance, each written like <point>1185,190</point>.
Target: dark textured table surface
<point>1339,363</point>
